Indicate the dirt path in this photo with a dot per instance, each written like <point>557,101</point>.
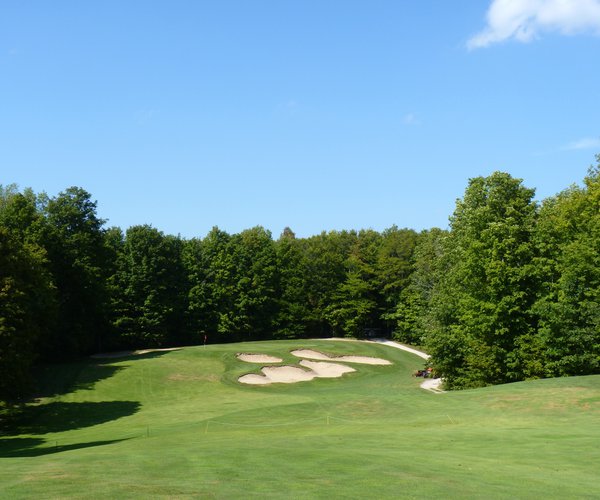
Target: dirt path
<point>397,345</point>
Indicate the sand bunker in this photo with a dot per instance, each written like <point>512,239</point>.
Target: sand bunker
<point>433,385</point>
<point>327,370</point>
<point>366,360</point>
<point>293,374</point>
<point>278,374</point>
<point>258,358</point>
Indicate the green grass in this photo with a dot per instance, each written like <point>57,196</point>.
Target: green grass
<point>179,425</point>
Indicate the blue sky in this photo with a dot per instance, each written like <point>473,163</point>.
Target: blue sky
<point>316,115</point>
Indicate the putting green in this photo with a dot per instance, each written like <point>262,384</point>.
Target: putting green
<point>178,424</point>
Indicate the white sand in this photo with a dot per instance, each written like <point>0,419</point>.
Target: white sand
<point>366,360</point>
<point>278,374</point>
<point>327,370</point>
<point>258,358</point>
<point>254,379</point>
<point>287,374</point>
<point>293,374</point>
<point>432,384</point>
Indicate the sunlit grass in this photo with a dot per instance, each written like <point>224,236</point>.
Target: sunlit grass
<point>178,424</point>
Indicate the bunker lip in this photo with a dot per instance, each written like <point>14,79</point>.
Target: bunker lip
<point>293,374</point>
<point>257,358</point>
<point>366,360</point>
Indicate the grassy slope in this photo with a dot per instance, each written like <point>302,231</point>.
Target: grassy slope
<point>178,424</point>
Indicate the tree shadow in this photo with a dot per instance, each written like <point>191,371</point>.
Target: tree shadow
<point>30,447</point>
<point>64,416</point>
<point>131,356</point>
<point>54,380</point>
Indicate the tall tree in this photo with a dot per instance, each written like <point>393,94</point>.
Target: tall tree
<point>26,310</point>
<point>211,277</point>
<point>394,268</point>
<point>291,321</point>
<point>149,288</point>
<point>483,301</point>
<point>413,303</point>
<point>325,258</point>
<point>74,240</point>
<point>254,286</point>
<point>356,303</point>
<point>568,238</point>
<point>20,214</point>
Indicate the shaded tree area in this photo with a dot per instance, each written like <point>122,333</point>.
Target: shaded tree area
<point>410,306</point>
<point>27,303</point>
<point>74,239</point>
<point>293,309</point>
<point>147,289</point>
<point>511,291</point>
<point>568,303</point>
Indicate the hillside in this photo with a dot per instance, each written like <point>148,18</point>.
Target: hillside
<point>179,424</point>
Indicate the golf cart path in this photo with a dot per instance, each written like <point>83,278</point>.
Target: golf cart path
<point>431,384</point>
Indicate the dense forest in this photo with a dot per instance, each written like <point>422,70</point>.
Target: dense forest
<point>510,291</point>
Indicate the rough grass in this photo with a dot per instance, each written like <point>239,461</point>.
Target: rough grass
<point>179,425</point>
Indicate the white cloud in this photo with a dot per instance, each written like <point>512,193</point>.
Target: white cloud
<point>524,20</point>
<point>409,119</point>
<point>145,116</point>
<point>585,143</point>
<point>290,107</point>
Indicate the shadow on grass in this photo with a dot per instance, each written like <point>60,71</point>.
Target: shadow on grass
<point>63,416</point>
<point>61,378</point>
<point>130,356</point>
<point>32,447</point>
<point>54,380</point>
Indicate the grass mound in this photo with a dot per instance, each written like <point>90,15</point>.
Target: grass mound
<point>178,424</point>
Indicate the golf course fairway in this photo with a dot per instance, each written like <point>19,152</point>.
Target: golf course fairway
<point>179,424</point>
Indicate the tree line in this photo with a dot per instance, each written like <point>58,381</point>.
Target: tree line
<point>510,291</point>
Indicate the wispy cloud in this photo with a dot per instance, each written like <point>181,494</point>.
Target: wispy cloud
<point>145,116</point>
<point>290,107</point>
<point>525,20</point>
<point>584,143</point>
<point>410,119</point>
<point>291,104</point>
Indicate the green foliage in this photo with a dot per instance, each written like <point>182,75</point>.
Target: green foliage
<point>233,284</point>
<point>417,269</point>
<point>74,241</point>
<point>325,257</point>
<point>292,310</point>
<point>355,305</point>
<point>252,286</point>
<point>482,305</point>
<point>512,291</point>
<point>569,263</point>
<point>26,309</point>
<point>209,269</point>
<point>147,289</point>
